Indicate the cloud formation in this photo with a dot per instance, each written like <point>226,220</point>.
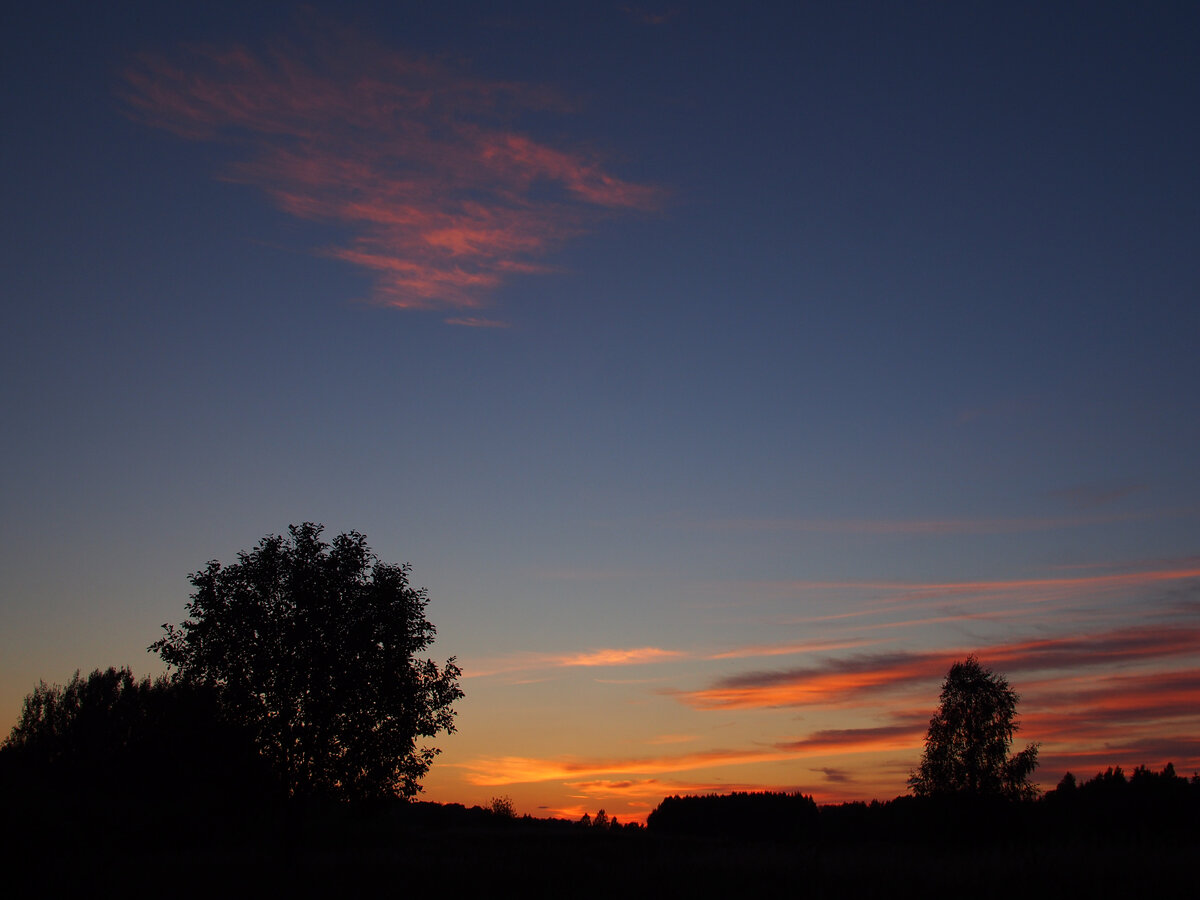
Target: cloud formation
<point>608,656</point>
<point>588,773</point>
<point>1123,719</point>
<point>521,769</point>
<point>442,198</point>
<point>846,680</point>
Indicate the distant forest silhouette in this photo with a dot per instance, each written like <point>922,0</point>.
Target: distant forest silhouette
<point>1143,804</point>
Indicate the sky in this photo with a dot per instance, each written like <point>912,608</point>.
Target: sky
<point>724,372</point>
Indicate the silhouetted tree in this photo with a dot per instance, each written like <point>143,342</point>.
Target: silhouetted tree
<point>313,646</point>
<point>502,807</point>
<point>966,749</point>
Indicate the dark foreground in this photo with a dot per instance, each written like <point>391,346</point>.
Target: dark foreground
<point>143,831</point>
<point>532,858</point>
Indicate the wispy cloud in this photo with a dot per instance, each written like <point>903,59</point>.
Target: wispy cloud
<point>619,657</point>
<point>442,197</point>
<point>521,769</point>
<point>893,597</point>
<point>1084,712</point>
<point>609,656</point>
<point>902,736</point>
<point>595,772</point>
<point>789,649</point>
<point>848,680</point>
<point>829,683</point>
<point>631,656</point>
<point>835,776</point>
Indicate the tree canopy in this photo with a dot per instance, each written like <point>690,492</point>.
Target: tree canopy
<point>314,645</point>
<point>112,747</point>
<point>967,746</point>
<point>112,716</point>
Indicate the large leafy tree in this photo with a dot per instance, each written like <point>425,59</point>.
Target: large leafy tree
<point>315,646</point>
<point>967,747</point>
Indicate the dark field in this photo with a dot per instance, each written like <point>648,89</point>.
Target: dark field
<point>535,858</point>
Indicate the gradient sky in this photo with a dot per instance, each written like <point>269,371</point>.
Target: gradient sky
<point>724,373</point>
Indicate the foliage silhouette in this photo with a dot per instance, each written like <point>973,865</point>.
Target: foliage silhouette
<point>312,645</point>
<point>1144,803</point>
<point>502,807</point>
<point>111,746</point>
<point>740,815</point>
<point>966,749</point>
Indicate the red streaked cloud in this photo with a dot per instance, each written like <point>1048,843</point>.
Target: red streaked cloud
<point>842,681</point>
<point>832,682</point>
<point>441,197</point>
<point>1117,711</point>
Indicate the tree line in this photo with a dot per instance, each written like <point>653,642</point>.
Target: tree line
<point>1144,804</point>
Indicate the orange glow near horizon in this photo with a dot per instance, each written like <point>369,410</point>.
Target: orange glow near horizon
<point>1127,717</point>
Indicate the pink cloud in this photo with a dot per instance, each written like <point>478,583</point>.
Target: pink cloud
<point>442,199</point>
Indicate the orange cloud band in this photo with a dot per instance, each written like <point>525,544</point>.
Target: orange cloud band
<point>842,680</point>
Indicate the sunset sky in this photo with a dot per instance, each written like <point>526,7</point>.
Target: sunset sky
<point>725,372</point>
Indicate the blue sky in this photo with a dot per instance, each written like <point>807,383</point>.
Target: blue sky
<point>786,315</point>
